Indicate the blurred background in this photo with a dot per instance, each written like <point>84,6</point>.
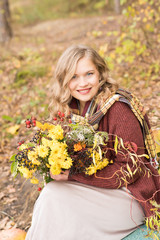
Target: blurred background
<point>33,34</point>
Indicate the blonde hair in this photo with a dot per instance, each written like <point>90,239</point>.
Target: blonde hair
<point>66,66</point>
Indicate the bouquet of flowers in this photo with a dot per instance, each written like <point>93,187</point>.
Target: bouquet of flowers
<point>60,146</point>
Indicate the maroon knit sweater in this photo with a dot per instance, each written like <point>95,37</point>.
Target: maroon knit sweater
<point>120,120</point>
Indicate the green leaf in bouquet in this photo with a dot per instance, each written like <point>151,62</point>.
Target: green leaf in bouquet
<point>12,158</point>
<point>48,179</point>
<point>30,144</point>
<point>74,126</point>
<point>14,169</point>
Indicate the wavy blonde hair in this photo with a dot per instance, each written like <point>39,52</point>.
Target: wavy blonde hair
<point>66,67</point>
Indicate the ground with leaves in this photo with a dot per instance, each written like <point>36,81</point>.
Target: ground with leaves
<point>27,65</point>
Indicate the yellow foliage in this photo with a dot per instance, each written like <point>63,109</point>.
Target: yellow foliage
<point>141,2</point>
<point>103,49</point>
<point>156,134</point>
<point>137,42</point>
<point>97,33</point>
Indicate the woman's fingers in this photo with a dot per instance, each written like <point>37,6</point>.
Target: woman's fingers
<point>60,177</point>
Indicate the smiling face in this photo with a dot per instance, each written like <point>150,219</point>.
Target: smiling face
<point>84,84</point>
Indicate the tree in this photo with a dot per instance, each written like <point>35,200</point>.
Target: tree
<point>117,6</point>
<point>5,28</point>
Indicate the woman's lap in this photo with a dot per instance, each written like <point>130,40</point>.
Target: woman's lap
<point>70,210</point>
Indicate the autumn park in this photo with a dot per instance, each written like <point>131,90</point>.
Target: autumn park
<point>33,34</point>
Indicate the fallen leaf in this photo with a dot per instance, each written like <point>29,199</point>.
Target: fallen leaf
<point>13,130</point>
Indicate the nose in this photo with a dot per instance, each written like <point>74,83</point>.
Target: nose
<point>82,81</point>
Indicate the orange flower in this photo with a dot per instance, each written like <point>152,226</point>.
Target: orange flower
<point>78,146</point>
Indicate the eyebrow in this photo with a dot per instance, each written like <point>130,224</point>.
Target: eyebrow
<point>87,71</point>
<point>75,74</point>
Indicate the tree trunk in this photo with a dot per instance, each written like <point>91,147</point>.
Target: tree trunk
<point>117,6</point>
<point>5,28</point>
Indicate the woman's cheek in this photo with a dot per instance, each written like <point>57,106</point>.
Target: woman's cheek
<point>72,85</point>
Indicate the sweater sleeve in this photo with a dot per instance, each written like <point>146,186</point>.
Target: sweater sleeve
<point>119,121</point>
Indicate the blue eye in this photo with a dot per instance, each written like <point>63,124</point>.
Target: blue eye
<point>90,73</point>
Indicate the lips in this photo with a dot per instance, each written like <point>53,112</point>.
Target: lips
<point>84,91</point>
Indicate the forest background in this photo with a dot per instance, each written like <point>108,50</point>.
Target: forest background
<point>125,33</point>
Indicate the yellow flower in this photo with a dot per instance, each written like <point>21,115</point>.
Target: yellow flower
<point>102,164</point>
<point>49,143</point>
<point>36,162</point>
<point>23,146</point>
<point>26,172</point>
<point>32,155</point>
<point>52,159</point>
<point>46,142</point>
<point>105,162</point>
<point>99,165</point>
<point>56,132</point>
<point>55,149</point>
<point>67,163</point>
<point>55,169</point>
<point>45,126</point>
<point>42,151</point>
<point>56,159</point>
<point>39,125</point>
<point>57,156</point>
<point>34,180</point>
<point>63,146</point>
<point>97,156</point>
<point>48,126</point>
<point>91,170</point>
<point>48,165</point>
<point>59,150</point>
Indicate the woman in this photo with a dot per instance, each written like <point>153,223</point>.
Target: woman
<point>111,203</point>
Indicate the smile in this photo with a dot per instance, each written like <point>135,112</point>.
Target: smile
<point>84,91</point>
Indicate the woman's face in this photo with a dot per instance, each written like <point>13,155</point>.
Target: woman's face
<point>84,84</point>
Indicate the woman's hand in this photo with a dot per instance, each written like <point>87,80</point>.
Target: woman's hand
<point>60,177</point>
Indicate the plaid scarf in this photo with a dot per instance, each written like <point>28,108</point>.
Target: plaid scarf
<point>93,118</point>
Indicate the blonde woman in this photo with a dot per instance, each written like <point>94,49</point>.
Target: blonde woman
<point>102,206</point>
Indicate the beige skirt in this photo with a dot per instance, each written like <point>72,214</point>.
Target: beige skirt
<point>74,211</point>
